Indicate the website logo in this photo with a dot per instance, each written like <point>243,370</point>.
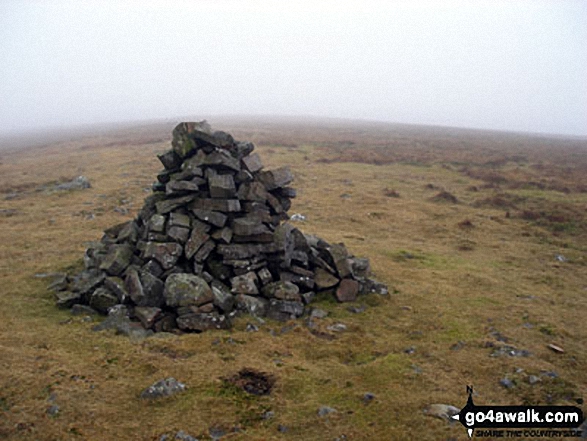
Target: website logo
<point>520,421</point>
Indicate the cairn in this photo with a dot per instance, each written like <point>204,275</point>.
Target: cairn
<point>210,241</point>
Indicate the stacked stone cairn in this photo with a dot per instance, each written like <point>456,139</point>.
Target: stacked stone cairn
<point>213,240</point>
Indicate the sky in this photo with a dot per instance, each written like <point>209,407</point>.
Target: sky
<point>506,65</point>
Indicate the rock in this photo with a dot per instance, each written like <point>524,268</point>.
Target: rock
<point>53,410</point>
<point>252,163</point>
<point>251,328</point>
<point>204,251</point>
<point>507,383</point>
<point>533,379</point>
<point>179,220</point>
<point>339,256</point>
<point>186,290</point>
<point>117,259</point>
<point>212,217</point>
<point>325,411</point>
<point>308,297</point>
<point>196,240</point>
<point>252,191</point>
<point>297,217</point>
<point>173,188</point>
<point>163,388</point>
<point>224,235</point>
<point>147,315</point>
<point>79,183</point>
<point>337,327</point>
<point>318,313</point>
<point>283,310</point>
<point>323,279</point>
<point>222,205</point>
<point>203,322</point>
<point>253,305</point>
<point>117,319</point>
<point>82,310</point>
<point>167,254</point>
<point>442,411</point>
<point>170,160</point>
<point>222,186</point>
<point>179,234</point>
<point>510,351</point>
<point>216,433</point>
<point>265,276</point>
<point>347,290</point>
<point>248,226</point>
<point>357,309</point>
<point>66,299</point>
<point>183,436</point>
<point>168,205</point>
<point>369,397</point>
<point>360,267</point>
<point>223,299</point>
<point>556,349</point>
<point>282,291</point>
<point>102,300</point>
<point>60,282</point>
<point>245,284</point>
<point>276,178</point>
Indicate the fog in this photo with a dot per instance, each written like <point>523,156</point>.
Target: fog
<point>504,65</point>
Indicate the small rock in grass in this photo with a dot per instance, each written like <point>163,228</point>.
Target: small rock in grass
<point>163,388</point>
<point>325,410</point>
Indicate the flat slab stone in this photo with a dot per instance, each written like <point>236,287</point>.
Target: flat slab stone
<point>252,191</point>
<point>324,279</point>
<point>178,187</point>
<point>223,299</point>
<point>283,310</point>
<point>222,205</point>
<point>212,217</point>
<point>273,179</point>
<point>243,251</point>
<point>179,220</point>
<point>102,299</point>
<point>223,235</point>
<point>248,226</point>
<point>256,306</point>
<point>195,241</point>
<point>180,234</point>
<point>222,186</point>
<point>204,251</point>
<point>170,160</point>
<point>282,291</point>
<point>339,255</point>
<point>245,284</point>
<point>166,254</point>
<point>117,259</point>
<point>157,223</point>
<point>252,163</point>
<point>171,204</point>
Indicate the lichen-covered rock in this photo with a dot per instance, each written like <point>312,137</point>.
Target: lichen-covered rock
<point>186,290</point>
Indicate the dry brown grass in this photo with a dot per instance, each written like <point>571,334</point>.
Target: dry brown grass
<point>450,283</point>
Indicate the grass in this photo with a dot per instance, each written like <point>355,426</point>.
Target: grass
<point>450,283</point>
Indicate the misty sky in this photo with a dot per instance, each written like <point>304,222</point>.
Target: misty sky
<point>507,65</point>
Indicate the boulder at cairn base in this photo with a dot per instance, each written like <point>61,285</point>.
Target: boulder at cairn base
<point>211,241</point>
